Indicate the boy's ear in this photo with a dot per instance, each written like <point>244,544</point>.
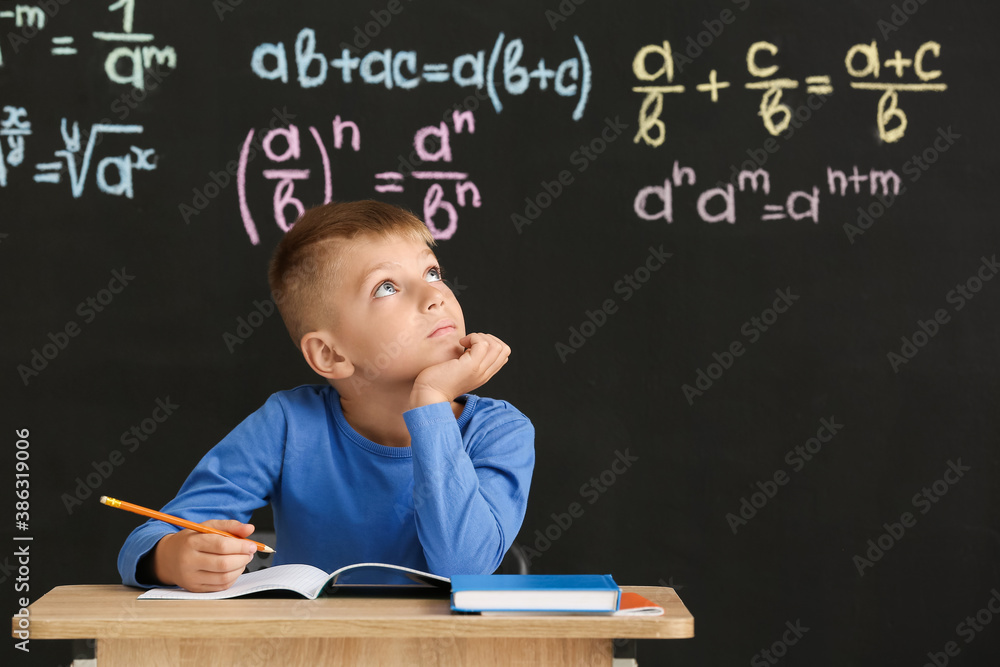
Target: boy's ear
<point>320,352</point>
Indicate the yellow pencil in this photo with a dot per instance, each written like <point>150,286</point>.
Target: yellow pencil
<point>177,521</point>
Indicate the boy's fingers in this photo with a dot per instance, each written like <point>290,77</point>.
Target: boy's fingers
<point>496,349</point>
<point>489,353</point>
<point>484,343</point>
<point>230,526</point>
<point>473,338</point>
<point>242,530</point>
<point>224,564</point>
<point>217,544</point>
<point>497,365</point>
<point>209,583</point>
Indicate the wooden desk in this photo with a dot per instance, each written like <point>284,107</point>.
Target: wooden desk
<point>387,632</point>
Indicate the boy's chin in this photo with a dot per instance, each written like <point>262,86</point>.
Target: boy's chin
<point>446,353</point>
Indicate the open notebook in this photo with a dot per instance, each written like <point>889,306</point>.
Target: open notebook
<point>311,582</point>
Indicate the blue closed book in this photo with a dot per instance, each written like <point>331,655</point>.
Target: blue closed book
<point>535,592</point>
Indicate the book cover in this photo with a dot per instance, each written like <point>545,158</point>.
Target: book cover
<point>311,582</point>
<point>535,592</point>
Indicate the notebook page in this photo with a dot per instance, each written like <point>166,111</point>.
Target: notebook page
<point>304,579</point>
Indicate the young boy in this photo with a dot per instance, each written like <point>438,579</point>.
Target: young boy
<point>391,460</point>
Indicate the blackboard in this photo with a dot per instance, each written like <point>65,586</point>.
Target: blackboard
<point>761,358</point>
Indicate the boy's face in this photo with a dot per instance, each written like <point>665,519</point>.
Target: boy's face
<point>390,303</point>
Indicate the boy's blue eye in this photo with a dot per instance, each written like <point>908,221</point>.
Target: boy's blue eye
<point>379,292</point>
<point>434,274</point>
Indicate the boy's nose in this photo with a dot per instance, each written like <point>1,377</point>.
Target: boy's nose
<point>431,296</point>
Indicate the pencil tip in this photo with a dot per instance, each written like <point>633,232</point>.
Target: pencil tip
<point>269,550</point>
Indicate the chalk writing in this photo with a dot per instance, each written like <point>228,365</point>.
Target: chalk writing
<point>432,144</point>
<point>718,204</point>
<point>13,130</point>
<point>466,192</point>
<point>284,190</point>
<point>137,59</point>
<point>775,115</point>
<point>114,174</point>
<point>888,104</point>
<point>125,64</point>
<point>26,17</point>
<point>404,70</point>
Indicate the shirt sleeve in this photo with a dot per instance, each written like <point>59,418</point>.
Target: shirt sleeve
<point>469,498</point>
<point>233,479</point>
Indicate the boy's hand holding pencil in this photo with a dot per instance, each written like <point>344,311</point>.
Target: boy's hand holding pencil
<point>203,562</point>
<point>203,557</point>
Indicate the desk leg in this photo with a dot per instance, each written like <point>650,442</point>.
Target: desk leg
<point>373,652</point>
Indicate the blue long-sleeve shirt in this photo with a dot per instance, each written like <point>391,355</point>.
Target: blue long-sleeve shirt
<point>450,503</point>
